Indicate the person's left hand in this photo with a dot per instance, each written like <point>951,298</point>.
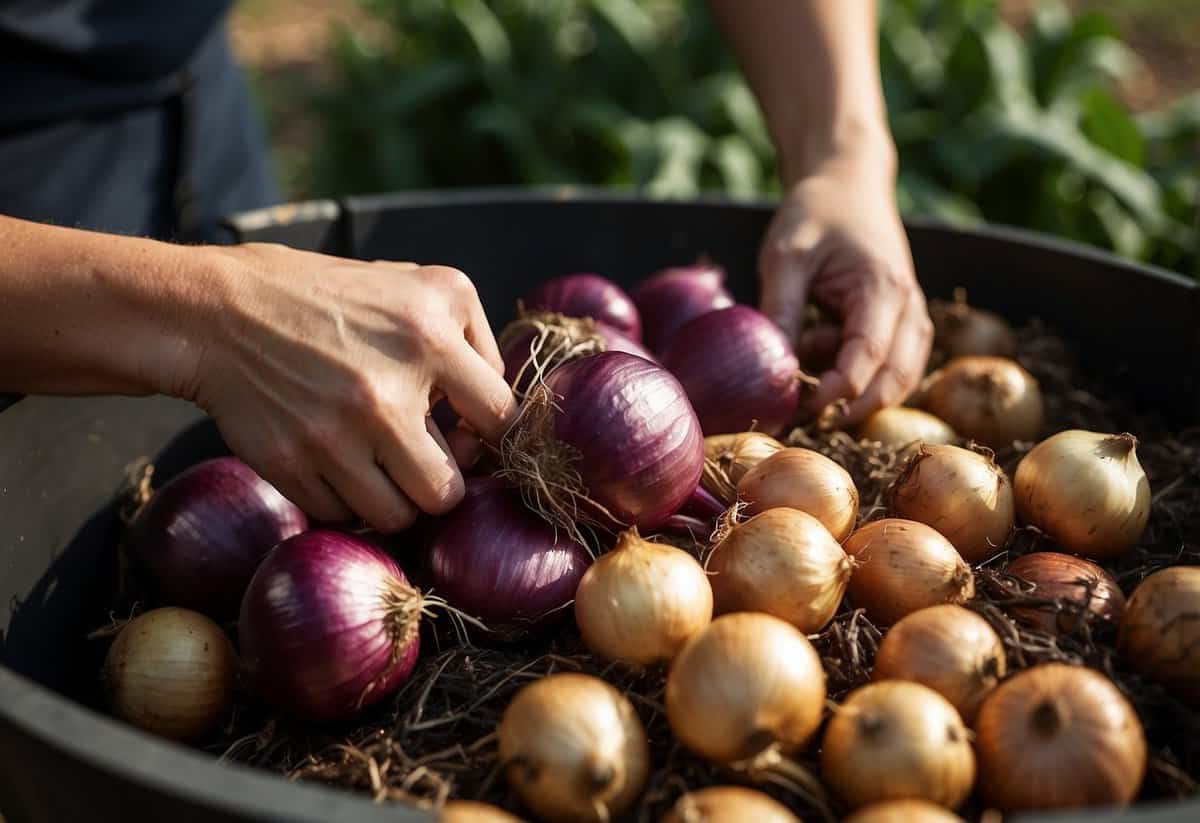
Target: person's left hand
<point>837,240</point>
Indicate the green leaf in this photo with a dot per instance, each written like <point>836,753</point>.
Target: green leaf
<point>1106,122</point>
<point>919,194</point>
<point>485,30</point>
<point>741,172</point>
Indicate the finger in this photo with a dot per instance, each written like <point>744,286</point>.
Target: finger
<point>818,347</point>
<point>784,292</point>
<point>479,334</point>
<point>901,374</point>
<point>465,445</point>
<point>360,481</point>
<point>401,265</point>
<point>478,393</point>
<point>422,469</point>
<point>318,499</point>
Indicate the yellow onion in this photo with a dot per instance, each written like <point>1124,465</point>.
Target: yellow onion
<point>1058,736</point>
<point>899,426</point>
<point>470,811</point>
<point>642,601</point>
<point>727,457</point>
<point>747,683</point>
<point>171,672</point>
<point>989,399</point>
<point>782,562</point>
<point>903,811</point>
<point>574,748</point>
<point>806,480</point>
<point>903,566</point>
<point>1160,630</point>
<point>728,804</point>
<point>1086,490</point>
<point>1068,579</point>
<point>960,330</point>
<point>896,740</point>
<point>961,493</point>
<point>951,650</point>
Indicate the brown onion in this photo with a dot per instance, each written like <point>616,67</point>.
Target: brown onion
<point>1086,490</point>
<point>782,562</point>
<point>1160,631</point>
<point>899,426</point>
<point>470,811</point>
<point>903,811</point>
<point>573,747</point>
<point>1078,583</point>
<point>960,330</point>
<point>728,804</point>
<point>904,566</point>
<point>989,399</point>
<point>747,683</point>
<point>951,650</point>
<point>727,458</point>
<point>895,740</point>
<point>1058,736</point>
<point>806,480</point>
<point>961,493</point>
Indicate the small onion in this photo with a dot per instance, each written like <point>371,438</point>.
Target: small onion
<point>989,399</point>
<point>203,534</point>
<point>1086,490</point>
<point>806,480</point>
<point>642,601</point>
<point>951,650</point>
<point>1059,736</point>
<point>1160,631</point>
<point>738,369</point>
<point>171,672</point>
<point>747,683</point>
<point>961,493</point>
<point>1072,580</point>
<point>573,748</point>
<point>904,566</point>
<point>329,625</point>
<point>667,300</point>
<point>728,804</point>
<point>896,740</point>
<point>782,562</point>
<point>727,458</point>
<point>899,426</point>
<point>903,811</point>
<point>470,811</point>
<point>960,330</point>
<point>588,295</point>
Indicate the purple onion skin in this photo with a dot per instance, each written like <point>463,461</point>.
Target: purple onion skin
<point>201,536</point>
<point>314,633</point>
<point>495,560</point>
<point>669,299</point>
<point>588,295</point>
<point>517,353</point>
<point>640,446</point>
<point>738,369</point>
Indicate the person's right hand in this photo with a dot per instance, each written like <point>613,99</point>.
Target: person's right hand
<point>321,372</point>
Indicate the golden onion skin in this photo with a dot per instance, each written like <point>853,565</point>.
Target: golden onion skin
<point>1064,577</point>
<point>806,480</point>
<point>1160,630</point>
<point>728,804</point>
<point>903,811</point>
<point>989,399</point>
<point>900,426</point>
<point>470,811</point>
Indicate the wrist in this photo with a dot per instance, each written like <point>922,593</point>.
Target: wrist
<point>853,145</point>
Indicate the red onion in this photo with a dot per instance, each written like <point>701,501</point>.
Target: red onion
<point>588,295</point>
<point>738,369</point>
<point>201,536</point>
<point>329,626</point>
<point>669,299</point>
<point>610,439</point>
<point>495,560</point>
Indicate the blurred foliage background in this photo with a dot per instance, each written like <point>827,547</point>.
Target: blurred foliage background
<point>1079,119</point>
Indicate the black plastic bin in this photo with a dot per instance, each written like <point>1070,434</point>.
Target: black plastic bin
<point>61,460</point>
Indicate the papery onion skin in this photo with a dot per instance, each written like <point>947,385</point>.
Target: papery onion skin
<point>951,650</point>
<point>1087,490</point>
<point>202,535</point>
<point>728,804</point>
<point>989,399</point>
<point>896,740</point>
<point>747,682</point>
<point>588,295</point>
<point>806,480</point>
<point>727,458</point>
<point>1160,630</point>
<point>668,299</point>
<point>738,369</point>
<point>1057,736</point>
<point>470,811</point>
<point>961,493</point>
<point>900,426</point>
<point>329,626</point>
<point>903,566</point>
<point>574,748</point>
<point>903,811</point>
<point>960,331</point>
<point>171,671</point>
<point>782,562</point>
<point>1062,576</point>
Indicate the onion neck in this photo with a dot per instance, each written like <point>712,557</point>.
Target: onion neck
<point>1049,717</point>
<point>1119,446</point>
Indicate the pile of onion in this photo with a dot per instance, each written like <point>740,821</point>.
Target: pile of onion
<point>806,480</point>
<point>900,426</point>
<point>727,458</point>
<point>1160,630</point>
<point>588,295</point>
<point>989,399</point>
<point>670,298</point>
<point>728,804</point>
<point>960,330</point>
<point>1069,581</point>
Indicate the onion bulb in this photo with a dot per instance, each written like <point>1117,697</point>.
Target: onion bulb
<point>1086,490</point>
<point>1057,736</point>
<point>782,562</point>
<point>171,672</point>
<point>903,811</point>
<point>806,480</point>
<point>1160,631</point>
<point>961,493</point>
<point>642,601</point>
<point>899,426</point>
<point>951,650</point>
<point>904,566</point>
<point>960,330</point>
<point>728,804</point>
<point>668,299</point>
<point>588,295</point>
<point>574,748</point>
<point>727,458</point>
<point>989,399</point>
<point>896,740</point>
<point>1073,580</point>
<point>471,811</point>
<point>747,683</point>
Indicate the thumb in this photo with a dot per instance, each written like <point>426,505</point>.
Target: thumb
<point>785,281</point>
